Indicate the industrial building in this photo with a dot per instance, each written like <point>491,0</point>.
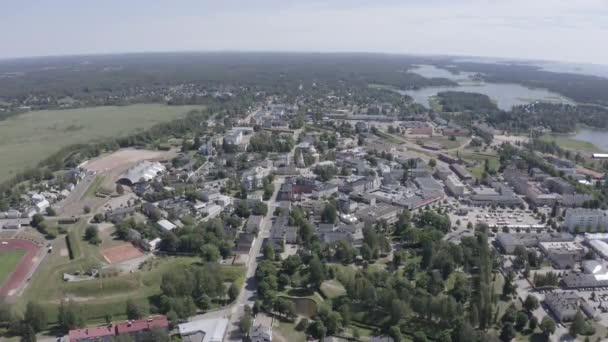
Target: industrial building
<point>142,172</point>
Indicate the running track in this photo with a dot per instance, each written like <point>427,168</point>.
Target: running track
<point>19,276</point>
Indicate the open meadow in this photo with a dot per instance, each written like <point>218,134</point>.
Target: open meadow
<point>28,138</point>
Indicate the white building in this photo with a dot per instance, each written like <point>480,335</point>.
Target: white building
<point>166,225</point>
<point>456,187</point>
<point>579,219</point>
<point>260,333</point>
<point>204,330</point>
<point>600,247</point>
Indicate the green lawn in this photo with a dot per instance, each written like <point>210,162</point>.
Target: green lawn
<point>101,295</point>
<point>571,144</point>
<point>288,332</point>
<point>480,157</point>
<point>8,261</point>
<point>28,138</point>
<point>332,289</point>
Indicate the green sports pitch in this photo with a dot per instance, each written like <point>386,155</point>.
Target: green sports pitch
<point>8,262</point>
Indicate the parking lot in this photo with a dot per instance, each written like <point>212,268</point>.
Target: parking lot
<point>498,217</point>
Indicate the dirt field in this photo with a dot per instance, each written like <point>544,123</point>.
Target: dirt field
<point>123,159</point>
<point>120,253</point>
<point>23,269</point>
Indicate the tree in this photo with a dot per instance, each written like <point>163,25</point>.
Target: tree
<point>547,325</point>
<point>317,329</point>
<point>329,214</point>
<point>37,219</point>
<point>136,310</point>
<point>268,252</point>
<point>50,211</point>
<point>395,333</point>
<point>35,316</point>
<point>69,316</point>
<point>420,336</point>
<point>86,209</point>
<point>120,189</point>
<point>91,234</point>
<point>316,272</point>
<point>432,162</point>
<point>533,323</point>
<point>521,320</point>
<point>531,303</point>
<point>507,333</point>
<point>246,322</point>
<point>29,335</point>
<point>233,291</point>
<point>210,253</point>
<point>578,324</point>
<point>156,335</point>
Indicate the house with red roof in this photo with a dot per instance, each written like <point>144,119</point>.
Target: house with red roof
<point>136,329</point>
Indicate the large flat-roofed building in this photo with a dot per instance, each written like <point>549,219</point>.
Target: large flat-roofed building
<point>386,212</point>
<point>563,254</point>
<point>508,242</point>
<point>455,186</point>
<point>600,247</point>
<point>575,280</point>
<point>580,219</point>
<point>564,305</point>
<point>203,330</point>
<point>142,172</point>
<point>461,172</point>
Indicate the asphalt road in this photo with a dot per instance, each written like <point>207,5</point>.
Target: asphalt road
<point>248,293</point>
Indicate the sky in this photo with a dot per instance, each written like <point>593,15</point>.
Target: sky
<point>557,30</point>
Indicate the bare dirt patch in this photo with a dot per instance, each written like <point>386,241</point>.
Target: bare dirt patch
<point>123,159</point>
<point>120,253</point>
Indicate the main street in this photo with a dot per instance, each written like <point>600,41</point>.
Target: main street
<point>247,296</point>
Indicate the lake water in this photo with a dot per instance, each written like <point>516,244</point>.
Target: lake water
<point>505,95</point>
<point>599,138</point>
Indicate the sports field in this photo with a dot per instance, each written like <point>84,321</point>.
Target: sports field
<point>28,138</point>
<point>8,262</point>
<point>105,295</point>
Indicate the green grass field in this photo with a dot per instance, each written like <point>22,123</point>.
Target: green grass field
<point>8,261</point>
<point>28,138</point>
<point>101,295</point>
<point>571,144</point>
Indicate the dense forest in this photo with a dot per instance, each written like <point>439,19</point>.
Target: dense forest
<point>94,76</point>
<point>458,101</point>
<point>561,118</point>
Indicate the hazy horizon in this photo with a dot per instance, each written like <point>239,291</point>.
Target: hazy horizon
<point>543,30</point>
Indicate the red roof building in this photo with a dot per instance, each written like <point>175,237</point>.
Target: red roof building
<point>129,327</point>
<point>98,334</point>
<point>135,329</point>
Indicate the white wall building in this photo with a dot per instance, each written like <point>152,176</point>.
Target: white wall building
<point>585,219</point>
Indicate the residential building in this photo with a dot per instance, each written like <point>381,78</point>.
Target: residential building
<point>580,219</point>
<point>138,329</point>
<point>559,185</point>
<point>565,305</point>
<point>135,329</point>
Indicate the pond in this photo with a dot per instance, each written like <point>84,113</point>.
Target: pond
<point>504,95</point>
<point>597,137</point>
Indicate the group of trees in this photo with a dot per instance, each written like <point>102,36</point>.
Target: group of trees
<point>187,289</point>
<point>207,239</point>
<point>270,142</point>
